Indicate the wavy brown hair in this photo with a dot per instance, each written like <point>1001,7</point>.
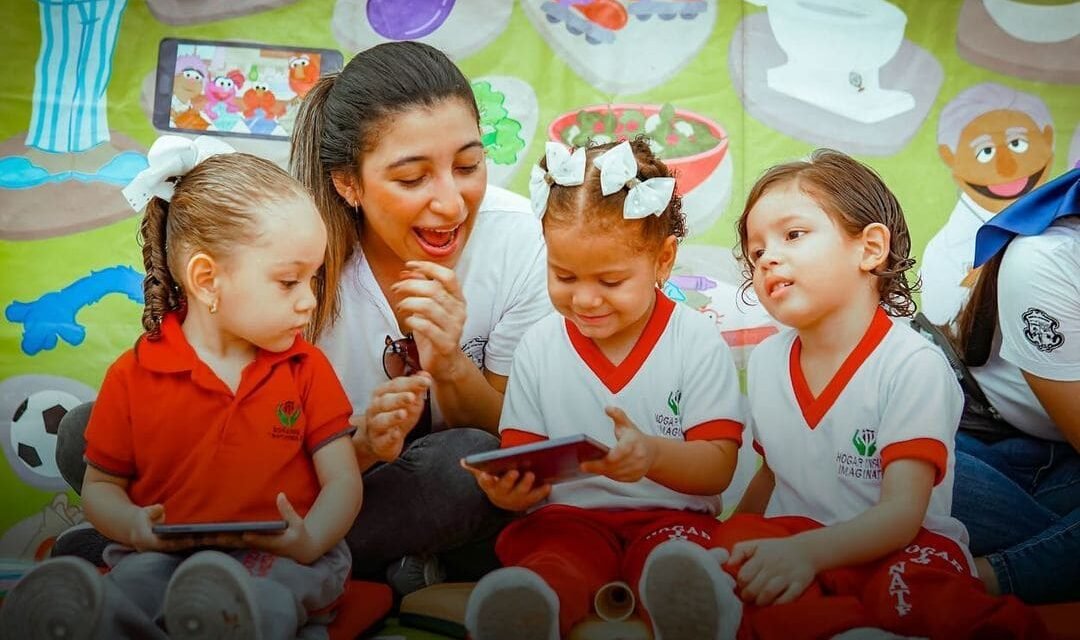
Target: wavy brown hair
<point>212,210</point>
<point>586,204</point>
<point>854,196</point>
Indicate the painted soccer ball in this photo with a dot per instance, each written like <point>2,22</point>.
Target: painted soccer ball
<point>34,426</point>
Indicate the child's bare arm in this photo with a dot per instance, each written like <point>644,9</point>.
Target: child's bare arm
<point>307,539</point>
<point>702,467</point>
<point>758,492</point>
<point>887,526</point>
<point>779,569</point>
<point>108,507</point>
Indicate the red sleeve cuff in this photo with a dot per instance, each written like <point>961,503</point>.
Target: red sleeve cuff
<point>716,430</point>
<point>517,437</point>
<point>925,449</point>
<point>108,464</point>
<point>757,447</point>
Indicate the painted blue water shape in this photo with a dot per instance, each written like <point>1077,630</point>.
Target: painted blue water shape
<point>52,316</point>
<point>17,172</point>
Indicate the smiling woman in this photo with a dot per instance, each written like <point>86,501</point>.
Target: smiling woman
<point>423,257</point>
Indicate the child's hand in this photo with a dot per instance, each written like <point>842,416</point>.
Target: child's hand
<point>143,537</point>
<point>294,542</point>
<point>632,457</point>
<point>395,408</point>
<point>508,492</point>
<point>774,570</point>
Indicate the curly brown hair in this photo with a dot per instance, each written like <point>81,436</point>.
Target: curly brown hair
<point>586,203</point>
<point>854,196</point>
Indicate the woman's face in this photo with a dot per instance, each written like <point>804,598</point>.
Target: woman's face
<point>421,186</point>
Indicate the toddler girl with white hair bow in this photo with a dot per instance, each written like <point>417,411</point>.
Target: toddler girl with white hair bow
<point>625,365</point>
<point>221,412</point>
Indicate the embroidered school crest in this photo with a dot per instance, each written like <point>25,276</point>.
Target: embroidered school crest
<point>288,413</point>
<point>673,401</point>
<point>473,348</point>
<point>865,441</point>
<point>1041,330</point>
<point>861,465</point>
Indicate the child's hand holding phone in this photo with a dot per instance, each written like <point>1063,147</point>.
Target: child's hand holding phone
<point>632,457</point>
<point>511,491</point>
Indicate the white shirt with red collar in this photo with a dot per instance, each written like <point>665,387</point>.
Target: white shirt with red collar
<point>895,397</point>
<point>679,382</point>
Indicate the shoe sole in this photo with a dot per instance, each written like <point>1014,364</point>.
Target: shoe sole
<point>209,598</point>
<point>61,599</point>
<point>679,589</point>
<point>516,610</point>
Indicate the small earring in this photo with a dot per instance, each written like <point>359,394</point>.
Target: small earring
<point>213,306</point>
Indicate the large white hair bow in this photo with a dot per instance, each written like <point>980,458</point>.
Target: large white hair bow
<point>618,169</point>
<point>170,157</point>
<point>563,168</point>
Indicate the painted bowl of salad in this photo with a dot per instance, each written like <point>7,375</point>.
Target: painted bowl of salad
<point>690,144</point>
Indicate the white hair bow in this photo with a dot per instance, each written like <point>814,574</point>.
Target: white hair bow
<point>618,169</point>
<point>563,168</point>
<point>170,157</point>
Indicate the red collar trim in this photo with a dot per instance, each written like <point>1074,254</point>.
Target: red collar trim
<point>814,409</point>
<point>172,353</point>
<point>616,377</point>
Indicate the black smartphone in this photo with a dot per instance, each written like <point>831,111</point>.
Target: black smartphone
<point>552,461</point>
<point>235,88</point>
<point>202,528</point>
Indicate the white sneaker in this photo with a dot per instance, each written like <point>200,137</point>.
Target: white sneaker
<point>687,594</point>
<point>210,596</point>
<point>512,603</point>
<point>60,599</point>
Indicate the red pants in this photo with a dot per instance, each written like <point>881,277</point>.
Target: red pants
<point>925,589</point>
<point>577,551</point>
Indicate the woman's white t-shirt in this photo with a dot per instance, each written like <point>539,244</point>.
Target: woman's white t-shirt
<point>1038,323</point>
<point>503,276</point>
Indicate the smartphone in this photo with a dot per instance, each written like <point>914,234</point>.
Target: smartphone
<point>235,88</point>
<point>552,461</point>
<point>202,528</point>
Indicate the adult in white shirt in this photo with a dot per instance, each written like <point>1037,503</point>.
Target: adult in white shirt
<point>431,278</point>
<point>1018,459</point>
<point>998,143</point>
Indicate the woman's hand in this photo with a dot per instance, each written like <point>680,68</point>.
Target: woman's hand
<point>774,570</point>
<point>395,408</point>
<point>632,458</point>
<point>512,491</point>
<point>294,542</point>
<point>429,297</point>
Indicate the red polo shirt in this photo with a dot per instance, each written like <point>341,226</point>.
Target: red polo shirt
<point>164,420</point>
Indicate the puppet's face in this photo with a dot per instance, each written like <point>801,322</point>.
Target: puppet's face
<point>1001,156</point>
<point>187,84</point>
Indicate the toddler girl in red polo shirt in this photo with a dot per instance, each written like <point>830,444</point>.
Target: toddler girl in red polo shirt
<point>221,412</point>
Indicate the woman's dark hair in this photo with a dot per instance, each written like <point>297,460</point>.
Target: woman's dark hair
<point>586,204</point>
<point>339,121</point>
<point>854,196</point>
<point>973,332</point>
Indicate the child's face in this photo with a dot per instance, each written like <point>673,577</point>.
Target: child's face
<point>265,289</point>
<point>421,186</point>
<point>602,283</point>
<point>805,265</point>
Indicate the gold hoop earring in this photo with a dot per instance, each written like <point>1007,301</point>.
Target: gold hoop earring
<point>213,306</point>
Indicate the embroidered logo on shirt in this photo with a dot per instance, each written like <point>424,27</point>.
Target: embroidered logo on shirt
<point>288,413</point>
<point>863,464</point>
<point>668,423</point>
<point>1041,330</point>
<point>673,399</point>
